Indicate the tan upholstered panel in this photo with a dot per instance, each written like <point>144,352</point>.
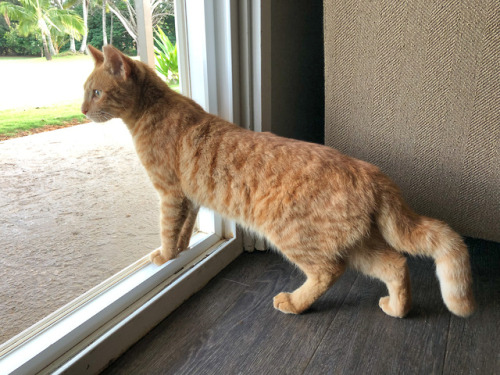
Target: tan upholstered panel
<point>414,87</point>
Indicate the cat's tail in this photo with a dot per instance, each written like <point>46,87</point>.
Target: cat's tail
<point>408,232</point>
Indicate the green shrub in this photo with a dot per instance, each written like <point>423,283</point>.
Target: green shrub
<point>12,44</point>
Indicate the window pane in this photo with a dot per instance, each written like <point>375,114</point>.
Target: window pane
<point>76,205</point>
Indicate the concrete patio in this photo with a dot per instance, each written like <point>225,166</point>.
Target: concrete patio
<point>76,206</point>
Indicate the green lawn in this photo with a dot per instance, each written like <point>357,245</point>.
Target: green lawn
<point>17,120</point>
<point>63,57</point>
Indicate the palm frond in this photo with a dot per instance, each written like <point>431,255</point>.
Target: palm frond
<point>26,28</point>
<point>14,12</point>
<point>68,21</point>
<point>166,56</point>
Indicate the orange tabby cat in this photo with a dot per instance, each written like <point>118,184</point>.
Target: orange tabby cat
<point>323,210</point>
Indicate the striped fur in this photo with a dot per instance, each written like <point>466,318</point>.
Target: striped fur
<point>323,210</point>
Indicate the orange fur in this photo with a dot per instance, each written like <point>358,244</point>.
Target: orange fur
<point>323,210</point>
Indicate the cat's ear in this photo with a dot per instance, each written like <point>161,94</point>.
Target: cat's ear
<point>96,54</point>
<point>119,65</point>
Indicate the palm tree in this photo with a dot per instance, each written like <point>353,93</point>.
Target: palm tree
<point>104,36</point>
<point>86,5</point>
<point>66,4</point>
<point>42,16</point>
<point>85,10</point>
<point>159,10</point>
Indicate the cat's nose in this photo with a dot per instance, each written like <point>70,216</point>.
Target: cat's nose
<point>84,110</point>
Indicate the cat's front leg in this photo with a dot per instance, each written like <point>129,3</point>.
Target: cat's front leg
<point>187,228</point>
<point>174,212</point>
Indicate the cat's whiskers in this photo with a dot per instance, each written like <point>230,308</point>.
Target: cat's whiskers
<point>106,116</point>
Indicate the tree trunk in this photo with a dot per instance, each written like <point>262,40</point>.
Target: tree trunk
<point>104,36</point>
<point>48,56</point>
<point>83,47</point>
<point>111,28</point>
<point>129,27</point>
<point>51,46</point>
<point>72,47</point>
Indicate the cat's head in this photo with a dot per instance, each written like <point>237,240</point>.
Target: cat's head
<point>109,87</point>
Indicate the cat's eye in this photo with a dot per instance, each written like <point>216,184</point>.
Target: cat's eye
<point>97,93</point>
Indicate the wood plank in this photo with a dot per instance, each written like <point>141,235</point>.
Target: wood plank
<point>363,340</point>
<point>473,343</point>
<point>231,327</point>
<point>168,342</point>
<point>253,337</point>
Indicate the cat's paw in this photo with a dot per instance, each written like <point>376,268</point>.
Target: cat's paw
<point>385,305</point>
<point>157,258</point>
<point>283,303</point>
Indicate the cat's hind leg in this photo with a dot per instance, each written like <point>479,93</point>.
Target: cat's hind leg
<point>377,259</point>
<point>319,280</point>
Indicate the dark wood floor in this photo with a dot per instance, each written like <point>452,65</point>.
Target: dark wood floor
<point>230,326</point>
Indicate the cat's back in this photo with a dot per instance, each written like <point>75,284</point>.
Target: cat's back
<point>231,169</point>
<point>225,145</point>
